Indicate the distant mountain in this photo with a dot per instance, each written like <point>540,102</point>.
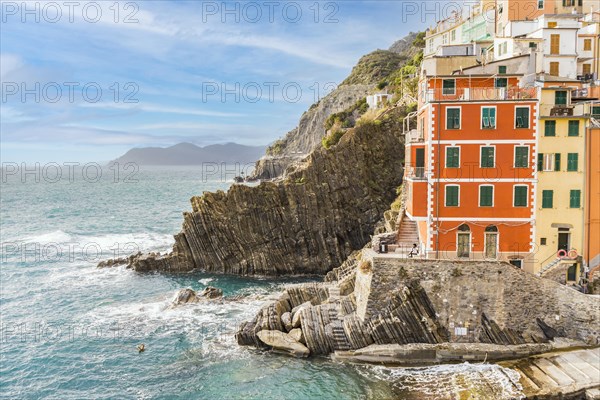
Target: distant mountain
<point>190,154</point>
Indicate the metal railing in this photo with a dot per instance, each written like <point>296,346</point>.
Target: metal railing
<point>479,94</point>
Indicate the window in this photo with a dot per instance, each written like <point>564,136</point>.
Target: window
<point>573,128</point>
<point>449,86</point>
<point>547,198</point>
<point>486,196</point>
<point>554,68</point>
<point>522,117</point>
<point>488,117</point>
<point>560,97</point>
<point>542,241</point>
<point>568,3</point>
<point>487,157</point>
<point>548,162</point>
<point>575,199</point>
<point>502,69</point>
<point>587,69</point>
<point>555,44</point>
<point>445,38</point>
<point>452,157</point>
<point>520,196</point>
<point>550,128</point>
<point>521,156</point>
<point>453,38</point>
<point>501,82</point>
<point>552,24</point>
<point>431,45</point>
<point>540,4</point>
<point>572,162</point>
<point>596,111</point>
<point>587,44</point>
<point>452,118</point>
<point>452,195</point>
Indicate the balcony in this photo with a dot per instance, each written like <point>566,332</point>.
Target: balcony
<point>416,173</point>
<point>561,111</point>
<point>480,94</point>
<point>414,136</point>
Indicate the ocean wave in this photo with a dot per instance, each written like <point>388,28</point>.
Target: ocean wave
<point>57,236</point>
<point>450,381</point>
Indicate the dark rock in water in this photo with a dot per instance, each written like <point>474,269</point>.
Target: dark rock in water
<point>308,223</point>
<point>211,293</point>
<point>186,296</point>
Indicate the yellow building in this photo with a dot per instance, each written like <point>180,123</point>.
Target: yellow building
<point>561,182</point>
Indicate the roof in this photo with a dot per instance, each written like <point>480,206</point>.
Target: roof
<point>552,78</point>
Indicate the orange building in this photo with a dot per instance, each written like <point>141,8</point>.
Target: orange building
<point>592,202</point>
<point>471,167</point>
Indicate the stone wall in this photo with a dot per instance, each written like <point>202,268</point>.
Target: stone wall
<point>403,301</point>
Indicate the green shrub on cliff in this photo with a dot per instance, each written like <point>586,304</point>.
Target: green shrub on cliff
<point>276,148</point>
<point>348,117</point>
<point>333,138</point>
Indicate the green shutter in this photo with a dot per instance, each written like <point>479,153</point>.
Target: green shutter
<point>521,157</point>
<point>572,161</point>
<point>487,157</point>
<point>449,86</point>
<point>540,166</point>
<point>520,196</point>
<point>502,69</point>
<point>501,82</point>
<point>522,117</point>
<point>573,128</point>
<point>575,199</point>
<point>452,157</point>
<point>452,118</point>
<point>560,97</point>
<point>596,111</point>
<point>488,117</point>
<point>550,128</point>
<point>547,198</point>
<point>557,162</point>
<point>486,196</point>
<point>451,196</point>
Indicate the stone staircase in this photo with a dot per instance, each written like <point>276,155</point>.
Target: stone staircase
<point>548,267</point>
<point>407,235</point>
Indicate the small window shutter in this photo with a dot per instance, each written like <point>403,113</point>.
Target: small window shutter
<point>557,162</point>
<point>540,165</point>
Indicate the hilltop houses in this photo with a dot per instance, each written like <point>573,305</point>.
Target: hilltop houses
<point>504,161</point>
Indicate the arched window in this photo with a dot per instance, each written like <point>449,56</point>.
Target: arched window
<point>464,228</point>
<point>491,228</point>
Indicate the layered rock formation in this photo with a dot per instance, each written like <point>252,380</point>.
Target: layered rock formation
<point>306,224</point>
<point>403,301</point>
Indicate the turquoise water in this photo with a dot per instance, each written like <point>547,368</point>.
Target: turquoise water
<point>69,330</point>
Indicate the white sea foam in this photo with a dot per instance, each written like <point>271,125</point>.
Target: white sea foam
<point>448,381</point>
<point>205,281</point>
<point>57,236</point>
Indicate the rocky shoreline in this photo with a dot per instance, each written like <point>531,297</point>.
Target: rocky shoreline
<point>397,302</point>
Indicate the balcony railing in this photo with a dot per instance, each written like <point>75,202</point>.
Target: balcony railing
<point>480,94</point>
<point>414,136</point>
<point>561,111</point>
<point>416,172</point>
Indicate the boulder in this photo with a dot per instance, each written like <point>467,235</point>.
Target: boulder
<point>284,343</point>
<point>286,319</point>
<point>297,335</point>
<point>211,293</point>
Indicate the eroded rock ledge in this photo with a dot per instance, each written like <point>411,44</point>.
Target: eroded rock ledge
<point>393,301</point>
<point>306,224</point>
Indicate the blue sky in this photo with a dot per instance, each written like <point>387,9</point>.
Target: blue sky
<point>168,71</point>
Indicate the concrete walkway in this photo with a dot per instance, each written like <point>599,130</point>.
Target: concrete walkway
<point>553,374</point>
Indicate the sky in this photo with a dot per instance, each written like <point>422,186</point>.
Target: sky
<point>86,81</point>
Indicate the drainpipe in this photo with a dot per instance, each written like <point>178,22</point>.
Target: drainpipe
<point>437,198</point>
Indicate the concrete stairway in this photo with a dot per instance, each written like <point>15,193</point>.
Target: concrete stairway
<point>548,267</point>
<point>559,373</point>
<point>407,234</point>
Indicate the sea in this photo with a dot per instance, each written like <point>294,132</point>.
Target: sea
<point>70,330</point>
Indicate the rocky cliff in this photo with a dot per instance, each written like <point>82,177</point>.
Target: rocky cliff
<point>364,78</point>
<point>307,223</point>
<point>394,301</point>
